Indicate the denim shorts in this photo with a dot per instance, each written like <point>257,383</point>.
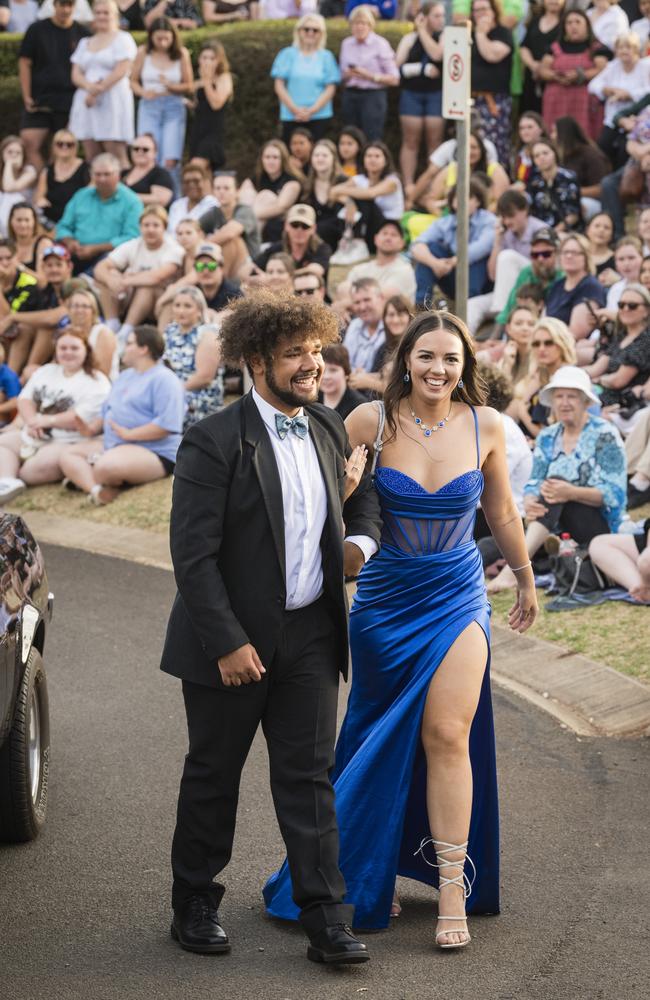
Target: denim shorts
<point>420,105</point>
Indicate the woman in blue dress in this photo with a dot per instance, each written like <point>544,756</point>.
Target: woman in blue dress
<point>415,773</point>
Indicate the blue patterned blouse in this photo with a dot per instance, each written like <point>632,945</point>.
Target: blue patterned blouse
<point>598,460</point>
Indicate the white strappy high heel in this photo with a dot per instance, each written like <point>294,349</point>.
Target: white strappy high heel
<point>442,848</point>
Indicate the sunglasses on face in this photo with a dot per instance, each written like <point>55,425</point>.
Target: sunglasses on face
<point>542,254</point>
<point>142,149</point>
<point>311,31</point>
<point>542,343</point>
<point>65,144</point>
<point>299,225</point>
<point>306,291</point>
<point>206,265</point>
<point>632,306</point>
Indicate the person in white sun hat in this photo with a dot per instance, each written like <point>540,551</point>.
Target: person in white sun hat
<point>578,482</point>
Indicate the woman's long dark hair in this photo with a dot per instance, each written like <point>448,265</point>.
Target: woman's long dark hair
<point>164,24</point>
<point>570,137</point>
<point>474,389</point>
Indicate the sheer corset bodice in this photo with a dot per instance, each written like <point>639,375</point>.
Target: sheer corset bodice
<point>419,523</point>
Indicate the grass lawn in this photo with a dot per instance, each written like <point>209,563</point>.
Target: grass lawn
<point>613,633</point>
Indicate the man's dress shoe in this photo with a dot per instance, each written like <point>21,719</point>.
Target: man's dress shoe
<point>337,945</point>
<point>196,927</point>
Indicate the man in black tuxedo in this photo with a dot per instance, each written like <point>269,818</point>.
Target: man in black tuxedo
<point>258,629</point>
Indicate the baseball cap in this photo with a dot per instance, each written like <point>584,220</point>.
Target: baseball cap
<point>302,213</point>
<point>57,250</point>
<point>208,250</point>
<point>546,235</point>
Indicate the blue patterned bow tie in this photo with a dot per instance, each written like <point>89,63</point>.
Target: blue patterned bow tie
<point>299,426</point>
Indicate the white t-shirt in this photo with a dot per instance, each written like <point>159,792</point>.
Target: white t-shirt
<point>390,205</point>
<point>609,25</point>
<point>54,392</point>
<point>179,210</point>
<point>398,275</point>
<point>135,255</point>
<point>641,29</point>
<point>519,458</point>
<point>82,11</point>
<point>445,153</point>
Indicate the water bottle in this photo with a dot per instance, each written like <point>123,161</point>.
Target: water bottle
<point>567,544</point>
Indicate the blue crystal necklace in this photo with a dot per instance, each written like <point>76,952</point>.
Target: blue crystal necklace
<point>426,430</point>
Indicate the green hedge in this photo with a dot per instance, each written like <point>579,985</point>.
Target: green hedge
<point>251,47</point>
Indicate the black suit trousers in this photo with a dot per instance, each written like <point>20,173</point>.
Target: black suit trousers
<point>296,703</point>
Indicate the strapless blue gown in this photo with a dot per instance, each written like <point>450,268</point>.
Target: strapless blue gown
<point>415,597</point>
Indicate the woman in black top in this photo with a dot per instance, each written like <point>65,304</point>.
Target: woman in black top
<point>131,15</point>
<point>151,183</point>
<point>491,69</point>
<point>326,171</point>
<point>579,153</point>
<point>419,58</point>
<point>543,29</point>
<point>276,187</point>
<point>62,178</point>
<point>625,362</point>
<point>213,89</point>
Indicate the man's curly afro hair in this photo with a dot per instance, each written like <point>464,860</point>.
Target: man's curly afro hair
<point>256,324</point>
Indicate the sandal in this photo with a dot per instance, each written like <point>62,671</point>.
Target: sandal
<point>441,863</point>
<point>395,907</point>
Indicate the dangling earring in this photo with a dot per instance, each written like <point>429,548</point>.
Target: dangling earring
<point>460,384</point>
<point>407,377</point>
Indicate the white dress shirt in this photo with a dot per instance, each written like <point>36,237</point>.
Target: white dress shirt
<point>304,502</point>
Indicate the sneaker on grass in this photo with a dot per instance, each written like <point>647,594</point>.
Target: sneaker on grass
<point>10,488</point>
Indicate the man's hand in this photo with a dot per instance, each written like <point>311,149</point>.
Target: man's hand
<point>241,666</point>
<point>353,560</point>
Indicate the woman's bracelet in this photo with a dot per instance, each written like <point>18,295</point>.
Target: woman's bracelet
<point>515,569</point>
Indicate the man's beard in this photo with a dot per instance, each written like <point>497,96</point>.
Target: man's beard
<point>288,397</point>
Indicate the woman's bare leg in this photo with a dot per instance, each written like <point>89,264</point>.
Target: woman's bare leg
<point>617,556</point>
<point>75,465</point>
<point>448,713</point>
<point>412,129</point>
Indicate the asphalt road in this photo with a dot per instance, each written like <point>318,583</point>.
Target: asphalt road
<point>84,910</point>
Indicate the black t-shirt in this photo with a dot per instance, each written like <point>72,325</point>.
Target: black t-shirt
<point>320,255</point>
<point>493,78</point>
<point>157,175</point>
<point>227,290</point>
<point>49,48</point>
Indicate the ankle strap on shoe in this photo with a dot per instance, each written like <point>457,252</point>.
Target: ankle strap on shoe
<point>442,848</point>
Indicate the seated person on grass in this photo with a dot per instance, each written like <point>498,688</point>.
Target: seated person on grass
<point>133,276</point>
<point>142,423</point>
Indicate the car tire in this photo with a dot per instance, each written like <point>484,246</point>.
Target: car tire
<point>25,758</point>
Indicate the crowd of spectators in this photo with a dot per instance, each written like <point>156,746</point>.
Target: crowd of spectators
<point>125,232</point>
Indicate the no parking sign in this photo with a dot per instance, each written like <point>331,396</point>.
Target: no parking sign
<point>456,71</point>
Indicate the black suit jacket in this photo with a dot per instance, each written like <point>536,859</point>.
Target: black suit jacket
<point>227,538</point>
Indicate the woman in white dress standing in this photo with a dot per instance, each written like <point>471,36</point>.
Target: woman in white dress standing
<point>102,113</point>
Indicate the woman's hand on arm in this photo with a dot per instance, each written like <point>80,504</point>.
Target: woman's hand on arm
<point>217,95</point>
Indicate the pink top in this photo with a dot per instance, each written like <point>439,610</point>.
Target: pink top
<point>373,54</point>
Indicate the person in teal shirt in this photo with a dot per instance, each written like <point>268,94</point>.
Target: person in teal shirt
<point>99,217</point>
<point>306,75</point>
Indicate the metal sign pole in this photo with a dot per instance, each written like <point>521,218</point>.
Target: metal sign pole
<point>456,91</point>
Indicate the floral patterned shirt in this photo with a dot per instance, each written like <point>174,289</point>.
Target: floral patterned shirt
<point>553,203</point>
<point>180,356</point>
<point>598,460</point>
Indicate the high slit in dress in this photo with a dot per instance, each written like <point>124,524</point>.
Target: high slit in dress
<point>415,597</point>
